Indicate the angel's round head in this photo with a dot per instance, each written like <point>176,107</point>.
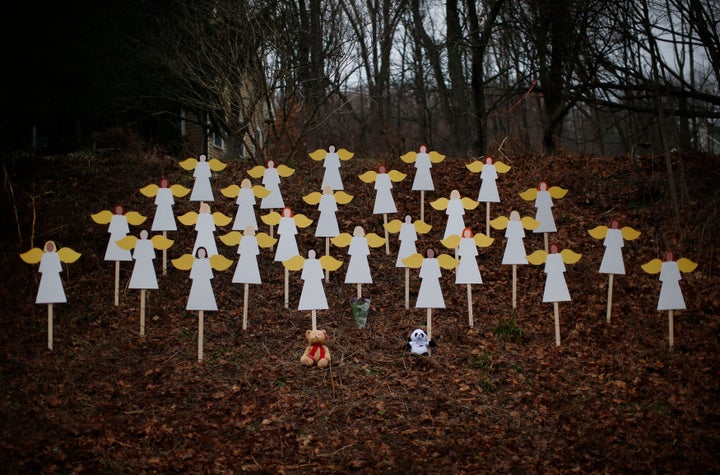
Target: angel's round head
<point>327,190</point>
<point>614,223</point>
<point>467,233</point>
<point>164,183</point>
<point>312,254</point>
<point>454,194</point>
<point>423,148</point>
<point>408,219</point>
<point>669,256</point>
<point>331,149</point>
<point>287,212</point>
<point>358,231</point>
<point>488,160</point>
<point>430,253</point>
<point>119,209</point>
<point>203,157</point>
<point>553,248</point>
<point>50,246</point>
<point>201,253</point>
<point>270,164</point>
<point>381,169</point>
<point>204,207</point>
<point>542,186</point>
<point>245,183</point>
<point>514,216</point>
<point>419,336</point>
<point>249,230</point>
<point>143,234</point>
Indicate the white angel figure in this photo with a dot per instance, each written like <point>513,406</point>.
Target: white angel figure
<point>384,201</point>
<point>245,197</point>
<point>514,227</point>
<point>271,180</point>
<point>202,172</point>
<point>489,170</point>
<point>467,271</point>
<point>205,227</point>
<point>331,163</point>
<point>455,210</point>
<point>164,194</point>
<point>143,252</point>
<point>614,240</point>
<point>50,258</point>
<point>671,297</point>
<point>543,196</point>
<point>249,244</point>
<point>423,161</point>
<point>407,232</point>
<point>358,271</point>
<point>118,228</point>
<point>287,224</point>
<point>327,203</point>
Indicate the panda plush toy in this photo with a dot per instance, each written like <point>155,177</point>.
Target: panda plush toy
<point>419,343</point>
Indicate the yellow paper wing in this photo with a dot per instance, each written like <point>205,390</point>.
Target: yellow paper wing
<point>33,256</point>
<point>686,265</point>
<point>481,240</point>
<point>220,262</point>
<point>313,198</point>
<point>502,167</point>
<point>451,242</point>
<point>436,157</point>
<point>135,218</point>
<point>569,256</point>
<point>220,219</point>
<point>189,163</point>
<point>501,222</point>
<point>538,257</point>
<point>150,190</point>
<point>396,176</point>
<point>369,176</point>
<point>260,191</point>
<point>529,195</point>
<point>409,157</point>
<point>393,226</point>
<point>295,263</point>
<point>318,154</point>
<point>598,232</point>
<point>440,203</point>
<point>529,223</point>
<point>469,203</point>
<point>230,191</point>
<point>652,267</point>
<point>475,166</point>
<point>341,240</point>
<point>184,262</point>
<point>374,240</point>
<point>329,263</point>
<point>629,233</point>
<point>161,242</point>
<point>189,218</point>
<point>127,243</point>
<point>216,165</point>
<point>557,192</point>
<point>302,221</point>
<point>421,226</point>
<point>67,255</point>
<point>257,171</point>
<point>265,240</point>
<point>103,217</point>
<point>342,198</point>
<point>447,262</point>
<point>232,238</point>
<point>413,261</point>
<point>271,219</point>
<point>179,190</point>
<point>285,171</point>
<point>345,155</point>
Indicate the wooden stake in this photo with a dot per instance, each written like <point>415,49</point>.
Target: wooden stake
<point>327,253</point>
<point>514,285</point>
<point>671,330</point>
<point>407,287</point>
<point>359,291</point>
<point>609,302</point>
<point>50,326</point>
<point>117,283</point>
<point>142,312</point>
<point>245,306</point>
<point>165,256</point>
<point>487,219</point>
<point>470,306</point>
<point>557,323</point>
<point>201,337</point>
<point>314,319</point>
<point>546,241</point>
<point>387,237</point>
<point>422,205</point>
<point>429,323</point>
<point>287,287</point>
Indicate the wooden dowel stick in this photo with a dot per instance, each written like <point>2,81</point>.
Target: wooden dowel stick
<point>314,319</point>
<point>201,336</point>
<point>327,253</point>
<point>671,331</point>
<point>557,323</point>
<point>470,306</point>
<point>142,312</point>
<point>117,283</point>
<point>287,287</point>
<point>422,205</point>
<point>487,219</point>
<point>245,306</point>
<point>387,236</point>
<point>359,291</point>
<point>514,286</point>
<point>546,241</point>
<point>50,326</point>
<point>407,287</point>
<point>609,302</point>
<point>165,256</point>
<point>429,323</point>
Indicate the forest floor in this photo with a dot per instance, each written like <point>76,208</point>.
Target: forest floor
<point>613,397</point>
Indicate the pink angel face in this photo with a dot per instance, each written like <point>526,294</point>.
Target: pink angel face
<point>50,246</point>
<point>614,223</point>
<point>488,160</point>
<point>669,256</point>
<point>467,233</point>
<point>245,183</point>
<point>119,210</point>
<point>423,148</point>
<point>542,186</point>
<point>430,253</point>
<point>331,148</point>
<point>201,253</point>
<point>553,248</point>
<point>203,157</point>
<point>143,234</point>
<point>270,164</point>
<point>381,169</point>
<point>287,212</point>
<point>164,183</point>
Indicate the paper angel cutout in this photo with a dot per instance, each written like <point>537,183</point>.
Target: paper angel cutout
<point>202,171</point>
<point>249,243</point>
<point>143,275</point>
<point>271,180</point>
<point>455,210</point>
<point>358,271</point>
<point>164,195</point>
<point>331,163</point>
<point>514,227</point>
<point>614,236</point>
<point>205,226</point>
<point>245,195</point>
<point>430,293</point>
<point>327,201</point>
<point>423,161</point>
<point>671,297</point>
<point>119,228</point>
<point>468,271</point>
<point>543,203</point>
<point>50,259</point>
<point>384,202</point>
<point>287,224</point>
<point>488,170</point>
<point>407,235</point>
<point>201,267</point>
<point>312,296</point>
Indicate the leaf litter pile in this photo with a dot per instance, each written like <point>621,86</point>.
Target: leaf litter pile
<point>497,397</point>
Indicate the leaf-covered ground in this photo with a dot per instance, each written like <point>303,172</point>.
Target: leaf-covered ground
<point>498,397</point>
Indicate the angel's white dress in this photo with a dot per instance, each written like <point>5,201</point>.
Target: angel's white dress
<point>671,297</point>
<point>332,171</point>
<point>556,289</point>
<point>271,181</point>
<point>384,202</point>
<point>245,215</point>
<point>488,186</point>
<point>468,271</point>
<point>407,237</point>
<point>612,262</point>
<point>143,274</point>
<point>312,296</point>
<point>205,228</point>
<point>51,288</point>
<point>201,292</point>
<point>515,245</point>
<point>423,179</point>
<point>247,270</point>
<point>202,190</point>
<point>358,271</point>
<point>327,222</point>
<point>164,216</point>
<point>544,204</point>
<point>430,294</point>
<point>118,229</point>
<point>455,221</point>
<point>287,244</point>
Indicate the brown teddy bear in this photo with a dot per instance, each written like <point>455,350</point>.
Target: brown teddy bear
<point>317,351</point>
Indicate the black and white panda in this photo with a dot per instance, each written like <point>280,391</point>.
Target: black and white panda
<point>419,343</point>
